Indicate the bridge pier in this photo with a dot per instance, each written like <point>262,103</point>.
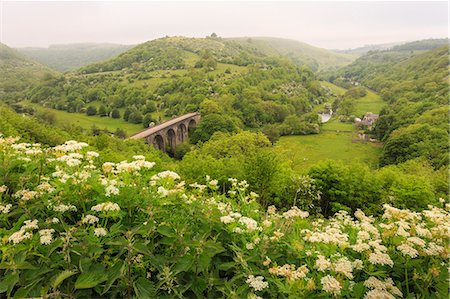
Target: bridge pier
<point>169,134</point>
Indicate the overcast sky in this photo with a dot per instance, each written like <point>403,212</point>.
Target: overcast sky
<point>333,25</point>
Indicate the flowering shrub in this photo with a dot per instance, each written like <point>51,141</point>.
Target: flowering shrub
<point>73,227</point>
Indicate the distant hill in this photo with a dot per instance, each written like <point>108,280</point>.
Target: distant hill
<point>299,52</point>
<point>367,48</point>
<point>17,72</point>
<point>420,45</point>
<point>72,56</point>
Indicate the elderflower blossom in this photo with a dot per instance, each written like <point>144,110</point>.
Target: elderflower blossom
<point>100,232</point>
<point>106,207</point>
<point>331,285</point>
<point>257,282</point>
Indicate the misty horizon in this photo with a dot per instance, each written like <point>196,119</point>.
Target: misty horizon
<point>328,25</point>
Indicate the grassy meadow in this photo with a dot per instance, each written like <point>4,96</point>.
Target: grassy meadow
<point>86,122</point>
<point>337,140</point>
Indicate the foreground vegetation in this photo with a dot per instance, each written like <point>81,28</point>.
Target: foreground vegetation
<point>73,227</point>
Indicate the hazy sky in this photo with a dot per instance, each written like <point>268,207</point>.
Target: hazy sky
<point>325,24</point>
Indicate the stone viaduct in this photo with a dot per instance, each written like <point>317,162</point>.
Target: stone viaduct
<point>167,135</point>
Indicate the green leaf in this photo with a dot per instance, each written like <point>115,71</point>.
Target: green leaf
<point>166,231</point>
<point>184,264</point>
<point>226,266</point>
<point>144,289</point>
<point>61,276</point>
<point>90,279</point>
<point>8,282</point>
<point>113,274</point>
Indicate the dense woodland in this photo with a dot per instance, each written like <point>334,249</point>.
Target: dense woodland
<point>202,222</point>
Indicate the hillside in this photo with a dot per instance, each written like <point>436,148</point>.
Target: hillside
<point>415,122</point>
<point>243,86</point>
<point>420,45</point>
<point>17,73</point>
<point>301,53</point>
<point>73,56</point>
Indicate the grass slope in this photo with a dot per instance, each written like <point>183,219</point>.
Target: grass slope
<point>316,58</point>
<point>64,118</point>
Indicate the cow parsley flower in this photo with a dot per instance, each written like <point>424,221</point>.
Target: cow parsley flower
<point>331,285</point>
<point>100,232</point>
<point>257,282</point>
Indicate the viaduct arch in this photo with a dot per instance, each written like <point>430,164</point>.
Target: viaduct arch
<point>169,134</point>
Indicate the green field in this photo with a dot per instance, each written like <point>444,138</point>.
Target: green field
<point>337,140</point>
<point>86,122</point>
<point>370,103</point>
<point>305,151</point>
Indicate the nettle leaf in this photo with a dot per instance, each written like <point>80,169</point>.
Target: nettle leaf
<point>61,277</point>
<point>90,279</point>
<point>113,274</point>
<point>184,264</point>
<point>8,282</point>
<point>166,231</point>
<point>144,288</point>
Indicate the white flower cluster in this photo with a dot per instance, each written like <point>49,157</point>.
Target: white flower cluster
<point>331,285</point>
<point>61,208</point>
<point>134,166</point>
<point>89,219</point>
<point>342,265</point>
<point>3,188</point>
<point>5,209</point>
<point>26,195</point>
<point>106,207</point>
<point>295,212</point>
<point>380,289</point>
<point>111,187</point>
<point>100,232</point>
<point>25,232</point>
<point>291,272</point>
<point>46,236</point>
<point>257,282</point>
<point>70,146</point>
<point>71,159</point>
<point>166,174</point>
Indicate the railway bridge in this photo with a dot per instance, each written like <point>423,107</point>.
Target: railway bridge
<point>167,135</point>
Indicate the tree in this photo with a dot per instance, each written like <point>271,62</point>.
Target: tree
<point>91,110</point>
<point>135,118</point>
<point>126,114</point>
<point>347,107</point>
<point>210,124</point>
<point>115,113</point>
<point>147,120</point>
<point>119,133</point>
<point>102,111</point>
